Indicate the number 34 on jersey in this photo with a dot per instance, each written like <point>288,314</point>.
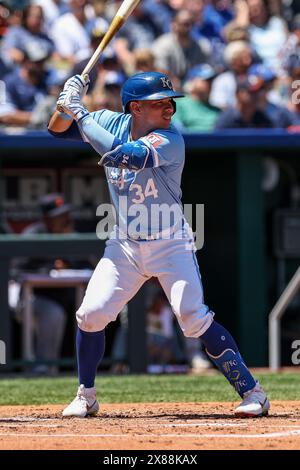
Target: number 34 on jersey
<point>141,193</point>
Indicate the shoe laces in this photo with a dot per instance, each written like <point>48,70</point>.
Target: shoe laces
<point>253,395</point>
<point>84,396</point>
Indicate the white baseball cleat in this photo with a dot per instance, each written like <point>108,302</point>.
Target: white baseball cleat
<point>84,404</point>
<point>255,404</point>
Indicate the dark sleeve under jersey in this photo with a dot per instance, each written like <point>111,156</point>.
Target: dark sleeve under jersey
<point>71,133</point>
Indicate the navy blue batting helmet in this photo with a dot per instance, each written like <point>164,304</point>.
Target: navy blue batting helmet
<point>146,86</point>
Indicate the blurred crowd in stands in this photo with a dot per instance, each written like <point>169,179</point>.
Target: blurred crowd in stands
<point>238,61</point>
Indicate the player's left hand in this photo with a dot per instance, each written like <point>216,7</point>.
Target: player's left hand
<point>129,155</point>
<point>77,84</point>
<point>69,103</point>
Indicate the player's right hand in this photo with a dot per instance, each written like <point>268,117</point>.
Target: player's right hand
<point>77,84</point>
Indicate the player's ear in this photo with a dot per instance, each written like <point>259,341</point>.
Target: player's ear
<point>135,107</point>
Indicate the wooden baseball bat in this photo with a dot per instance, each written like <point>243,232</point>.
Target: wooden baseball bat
<point>119,19</point>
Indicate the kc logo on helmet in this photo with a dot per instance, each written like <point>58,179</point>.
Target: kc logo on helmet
<point>166,83</point>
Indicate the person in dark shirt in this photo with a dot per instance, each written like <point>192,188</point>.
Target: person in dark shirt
<point>25,87</point>
<point>30,31</point>
<point>246,113</point>
<point>280,115</point>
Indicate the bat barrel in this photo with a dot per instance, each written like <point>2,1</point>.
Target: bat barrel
<point>127,8</point>
<point>113,29</point>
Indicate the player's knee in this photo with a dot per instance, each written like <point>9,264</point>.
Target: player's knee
<point>92,320</point>
<point>195,325</point>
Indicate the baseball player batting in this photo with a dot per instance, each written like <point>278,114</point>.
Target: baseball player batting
<point>143,157</point>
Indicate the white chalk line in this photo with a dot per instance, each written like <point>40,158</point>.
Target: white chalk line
<point>40,423</point>
<point>295,432</point>
<point>63,423</point>
<point>146,425</point>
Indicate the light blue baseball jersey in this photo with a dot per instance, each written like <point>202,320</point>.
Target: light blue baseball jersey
<point>148,201</point>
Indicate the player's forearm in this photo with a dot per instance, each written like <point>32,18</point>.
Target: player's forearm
<point>59,122</point>
<point>98,137</point>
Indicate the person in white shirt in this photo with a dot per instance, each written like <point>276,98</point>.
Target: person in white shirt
<point>70,32</point>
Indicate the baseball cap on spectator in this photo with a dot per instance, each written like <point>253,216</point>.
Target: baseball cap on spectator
<point>97,34</point>
<point>203,71</point>
<point>251,83</point>
<point>97,28</point>
<point>54,204</point>
<point>113,78</point>
<point>35,51</point>
<point>108,55</point>
<point>262,71</point>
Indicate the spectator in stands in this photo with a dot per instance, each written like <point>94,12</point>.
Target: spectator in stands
<point>45,107</point>
<point>26,87</point>
<point>162,11</point>
<point>106,93</point>
<point>48,304</point>
<point>144,60</point>
<point>52,9</point>
<point>217,14</point>
<point>235,33</point>
<point>138,32</point>
<point>106,77</point>
<point>70,33</point>
<point>97,32</point>
<point>176,52</point>
<point>270,99</point>
<point>246,113</point>
<point>55,216</point>
<point>238,57</point>
<point>194,113</point>
<point>293,107</point>
<point>210,20</point>
<point>267,32</point>
<point>29,32</point>
<point>5,12</point>
<point>292,45</point>
<point>4,70</point>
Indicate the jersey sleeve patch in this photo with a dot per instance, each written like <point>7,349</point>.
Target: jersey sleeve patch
<point>154,139</point>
